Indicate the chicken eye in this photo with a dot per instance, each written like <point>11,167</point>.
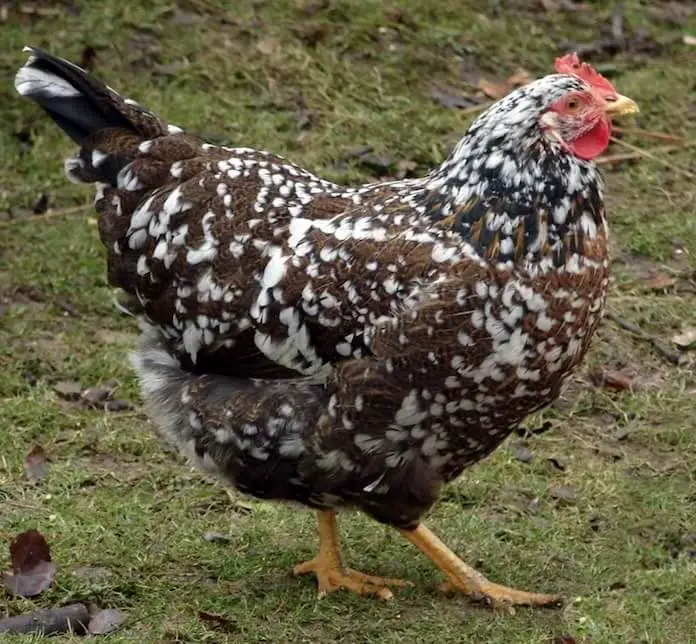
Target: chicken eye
<point>573,104</point>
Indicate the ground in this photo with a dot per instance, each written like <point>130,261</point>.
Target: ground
<point>600,508</point>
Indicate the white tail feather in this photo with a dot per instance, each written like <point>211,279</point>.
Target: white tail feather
<point>30,80</point>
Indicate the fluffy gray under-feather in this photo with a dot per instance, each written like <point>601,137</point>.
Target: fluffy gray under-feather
<point>265,438</point>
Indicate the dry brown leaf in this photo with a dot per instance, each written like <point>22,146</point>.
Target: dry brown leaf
<point>613,379</point>
<point>268,46</point>
<point>519,78</point>
<point>105,621</point>
<point>659,282</point>
<point>496,90</point>
<point>564,493</point>
<point>522,454</point>
<point>217,621</point>
<point>686,339</point>
<point>32,570</point>
<point>96,395</point>
<point>68,389</point>
<point>35,464</point>
<point>493,90</point>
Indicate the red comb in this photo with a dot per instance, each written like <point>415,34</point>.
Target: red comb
<point>571,64</point>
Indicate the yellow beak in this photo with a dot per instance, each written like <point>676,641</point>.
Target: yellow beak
<point>621,106</point>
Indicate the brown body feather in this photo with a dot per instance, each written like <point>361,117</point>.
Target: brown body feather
<point>335,345</point>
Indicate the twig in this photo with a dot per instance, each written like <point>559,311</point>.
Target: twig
<point>61,212</point>
<point>51,621</point>
<point>649,134</point>
<point>671,355</point>
<point>639,152</point>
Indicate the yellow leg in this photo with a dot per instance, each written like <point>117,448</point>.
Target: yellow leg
<point>329,568</point>
<point>469,581</point>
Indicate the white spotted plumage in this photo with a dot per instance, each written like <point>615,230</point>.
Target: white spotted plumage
<point>337,338</point>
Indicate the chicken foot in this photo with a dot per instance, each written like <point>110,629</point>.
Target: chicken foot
<point>466,579</point>
<point>330,570</point>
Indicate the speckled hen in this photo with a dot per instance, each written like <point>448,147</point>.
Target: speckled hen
<point>351,347</point>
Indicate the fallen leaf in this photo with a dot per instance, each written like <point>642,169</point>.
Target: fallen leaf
<point>519,78</point>
<point>612,379</point>
<point>558,463</point>
<point>35,465</point>
<point>216,537</point>
<point>609,451</point>
<point>95,395</point>
<point>659,282</point>
<point>522,454</point>
<point>496,90</point>
<point>493,90</point>
<point>117,405</point>
<point>218,621</point>
<point>105,620</point>
<point>565,493</point>
<point>449,98</point>
<point>268,46</point>
<point>32,570</point>
<point>686,339</point>
<point>68,389</point>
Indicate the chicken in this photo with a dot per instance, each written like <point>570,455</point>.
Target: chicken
<point>351,347</point>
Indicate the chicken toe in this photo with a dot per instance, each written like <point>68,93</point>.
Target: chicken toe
<point>332,574</point>
<point>464,578</point>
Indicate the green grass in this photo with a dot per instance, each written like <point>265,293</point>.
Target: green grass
<point>113,499</point>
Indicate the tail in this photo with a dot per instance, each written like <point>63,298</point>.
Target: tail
<point>107,127</point>
<point>79,103</point>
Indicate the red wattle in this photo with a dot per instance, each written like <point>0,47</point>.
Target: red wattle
<point>592,144</point>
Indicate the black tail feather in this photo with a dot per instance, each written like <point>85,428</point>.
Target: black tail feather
<point>78,103</point>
